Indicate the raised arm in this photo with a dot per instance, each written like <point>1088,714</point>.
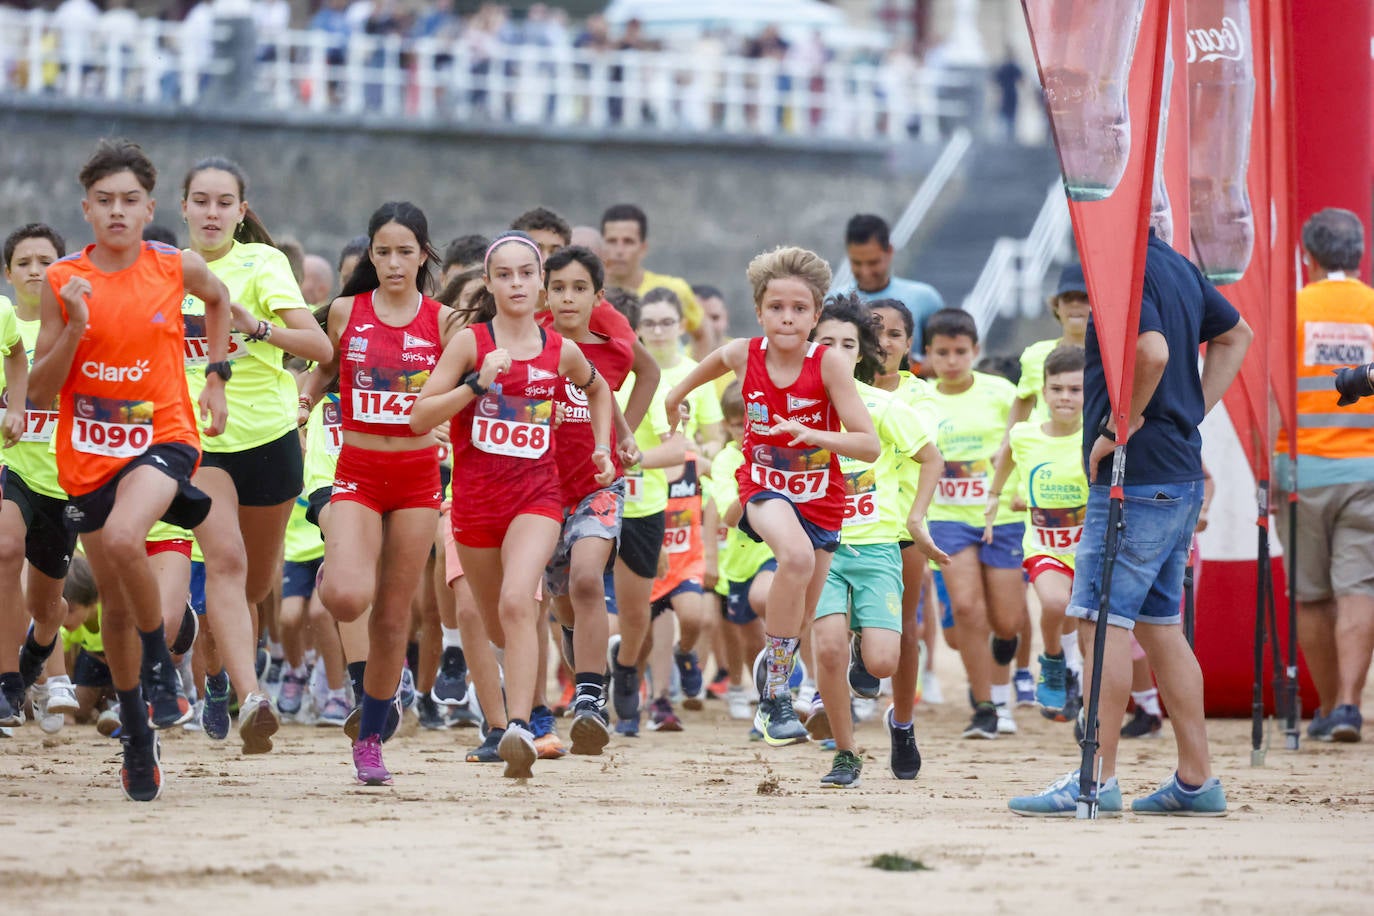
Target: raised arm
<point>729,358</point>
<point>208,288</point>
<point>857,439</point>
<point>647,376</point>
<point>443,394</point>
<point>57,338</point>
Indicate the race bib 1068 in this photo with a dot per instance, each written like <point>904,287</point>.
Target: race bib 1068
<point>513,426</point>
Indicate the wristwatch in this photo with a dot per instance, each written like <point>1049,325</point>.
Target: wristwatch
<point>224,369</point>
<point>471,380</point>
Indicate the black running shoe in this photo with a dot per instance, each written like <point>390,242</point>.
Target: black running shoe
<point>430,716</point>
<point>1143,725</point>
<point>167,703</point>
<point>625,692</point>
<point>844,771</point>
<point>10,715</point>
<point>1004,650</point>
<point>905,761</point>
<point>861,682</point>
<point>589,733</point>
<point>187,632</point>
<point>984,722</point>
<point>451,683</point>
<point>141,774</point>
<point>486,752</point>
<point>777,721</point>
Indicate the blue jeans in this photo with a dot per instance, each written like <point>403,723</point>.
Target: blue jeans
<point>1151,556</point>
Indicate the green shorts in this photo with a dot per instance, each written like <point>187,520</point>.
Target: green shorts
<point>865,582</point>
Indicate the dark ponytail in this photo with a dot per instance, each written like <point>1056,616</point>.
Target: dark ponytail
<point>403,213</point>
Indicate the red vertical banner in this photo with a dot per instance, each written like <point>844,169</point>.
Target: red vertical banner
<point>1171,168</point>
<point>1229,140</point>
<point>1102,65</point>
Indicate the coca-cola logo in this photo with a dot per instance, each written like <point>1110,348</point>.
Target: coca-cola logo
<point>1225,43</point>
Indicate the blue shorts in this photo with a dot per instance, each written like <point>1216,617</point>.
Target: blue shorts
<point>737,607</point>
<point>298,579</point>
<point>665,603</point>
<point>198,587</point>
<point>1003,553</point>
<point>1151,556</point>
<point>942,596</point>
<point>821,538</point>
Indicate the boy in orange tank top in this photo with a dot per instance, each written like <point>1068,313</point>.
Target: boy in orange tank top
<point>127,442</point>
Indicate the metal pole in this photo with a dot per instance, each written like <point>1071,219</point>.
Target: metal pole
<point>1257,688</point>
<point>1294,708</point>
<point>1088,783</point>
<point>1189,607</point>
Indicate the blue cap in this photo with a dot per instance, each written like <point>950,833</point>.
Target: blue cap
<point>1071,280</point>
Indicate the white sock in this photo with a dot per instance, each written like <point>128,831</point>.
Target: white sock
<point>453,638</point>
<point>1073,658</point>
<point>1001,694</point>
<point>275,649</point>
<point>1148,700</point>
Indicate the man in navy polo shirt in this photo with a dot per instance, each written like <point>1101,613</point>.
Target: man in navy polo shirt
<point>1179,311</point>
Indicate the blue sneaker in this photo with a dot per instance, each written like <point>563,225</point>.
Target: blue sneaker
<point>629,728</point>
<point>541,721</point>
<point>689,676</point>
<point>1171,799</point>
<point>1061,799</point>
<point>214,716</point>
<point>1023,683</point>
<point>1052,688</point>
<point>1320,727</point>
<point>1344,724</point>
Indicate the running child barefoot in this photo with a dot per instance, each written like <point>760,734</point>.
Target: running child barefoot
<point>857,636</point>
<point>127,440</point>
<point>499,378</point>
<point>1056,489</point>
<point>797,394</point>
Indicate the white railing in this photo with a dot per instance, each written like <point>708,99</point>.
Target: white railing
<point>1013,279</point>
<point>921,202</point>
<point>431,81</point>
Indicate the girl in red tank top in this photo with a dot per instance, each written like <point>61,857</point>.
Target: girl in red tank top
<point>500,379</point>
<point>387,336</point>
<point>797,396</point>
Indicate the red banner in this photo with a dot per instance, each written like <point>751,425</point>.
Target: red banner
<point>1283,267</point>
<point>1102,65</point>
<point>1175,164</point>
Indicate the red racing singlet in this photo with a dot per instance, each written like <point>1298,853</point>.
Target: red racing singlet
<point>682,536</point>
<point>126,390</point>
<point>575,441</point>
<point>382,368</point>
<point>809,477</point>
<point>503,440</point>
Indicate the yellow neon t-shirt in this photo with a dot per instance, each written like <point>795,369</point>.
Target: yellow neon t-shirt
<point>970,428</point>
<point>1054,487</point>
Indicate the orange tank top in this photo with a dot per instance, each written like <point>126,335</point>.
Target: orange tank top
<point>126,390</point>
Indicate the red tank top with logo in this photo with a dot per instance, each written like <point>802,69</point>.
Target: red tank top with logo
<point>126,390</point>
<point>682,536</point>
<point>504,438</point>
<point>809,477</point>
<point>382,367</point>
<point>575,440</point>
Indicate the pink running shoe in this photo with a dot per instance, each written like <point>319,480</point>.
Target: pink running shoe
<point>367,760</point>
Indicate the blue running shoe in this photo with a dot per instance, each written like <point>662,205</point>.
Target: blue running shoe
<point>628,727</point>
<point>1171,799</point>
<point>1344,724</point>
<point>1320,727</point>
<point>1061,799</point>
<point>1023,684</point>
<point>1052,688</point>
<point>689,675</point>
<point>541,721</point>
<point>778,721</point>
<point>214,716</point>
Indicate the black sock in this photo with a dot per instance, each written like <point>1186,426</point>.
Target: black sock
<point>133,711</point>
<point>520,722</point>
<point>1186,786</point>
<point>41,652</point>
<point>154,648</point>
<point>355,674</point>
<point>413,656</point>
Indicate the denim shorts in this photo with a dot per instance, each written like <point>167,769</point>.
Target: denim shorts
<point>1004,552</point>
<point>1151,556</point>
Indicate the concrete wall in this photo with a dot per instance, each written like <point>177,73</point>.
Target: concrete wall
<point>711,208</point>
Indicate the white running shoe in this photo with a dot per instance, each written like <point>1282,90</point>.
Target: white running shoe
<point>50,722</point>
<point>738,703</point>
<point>863,709</point>
<point>258,722</point>
<point>518,751</point>
<point>1006,724</point>
<point>930,690</point>
<point>62,695</point>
